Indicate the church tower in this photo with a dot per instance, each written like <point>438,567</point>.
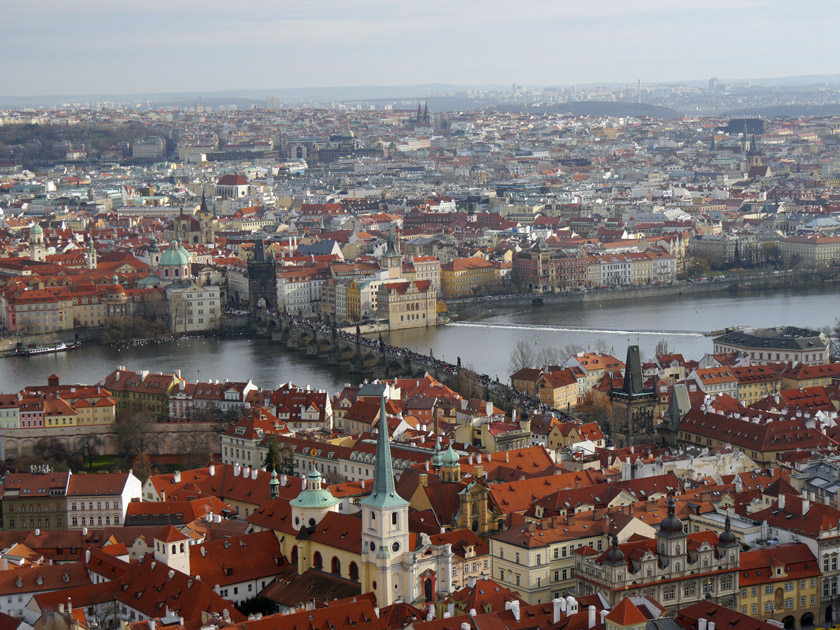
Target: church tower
<point>753,155</point>
<point>670,539</point>
<point>173,549</point>
<point>392,261</point>
<point>384,527</point>
<point>37,251</point>
<point>92,258</point>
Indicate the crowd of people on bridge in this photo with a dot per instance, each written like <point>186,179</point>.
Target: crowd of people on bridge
<point>502,390</point>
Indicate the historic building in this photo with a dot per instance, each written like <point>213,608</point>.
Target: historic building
<point>262,280</point>
<point>633,404</point>
<point>675,568</point>
<point>391,567</point>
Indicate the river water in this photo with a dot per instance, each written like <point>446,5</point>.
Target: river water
<point>485,344</point>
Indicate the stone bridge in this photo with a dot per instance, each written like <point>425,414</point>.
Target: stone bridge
<point>375,359</point>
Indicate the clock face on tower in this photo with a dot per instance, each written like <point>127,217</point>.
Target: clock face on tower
<point>372,546</point>
<point>395,547</point>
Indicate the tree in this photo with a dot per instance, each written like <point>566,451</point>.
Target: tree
<point>662,348</point>
<point>193,447</point>
<point>522,356</point>
<point>272,457</point>
<point>52,451</point>
<point>596,407</point>
<point>225,419</point>
<point>136,430</point>
<point>142,467</point>
<point>89,448</point>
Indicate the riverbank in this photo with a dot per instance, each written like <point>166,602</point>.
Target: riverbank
<point>467,308</point>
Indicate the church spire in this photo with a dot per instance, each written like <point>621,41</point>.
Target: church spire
<point>384,494</point>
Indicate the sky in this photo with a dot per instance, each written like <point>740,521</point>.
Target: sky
<point>52,47</point>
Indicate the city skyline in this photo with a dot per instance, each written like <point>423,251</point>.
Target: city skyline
<point>98,48</point>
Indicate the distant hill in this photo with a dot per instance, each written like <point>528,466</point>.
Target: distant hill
<point>788,111</point>
<point>597,108</point>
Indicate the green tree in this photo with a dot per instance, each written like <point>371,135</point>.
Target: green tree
<point>273,457</point>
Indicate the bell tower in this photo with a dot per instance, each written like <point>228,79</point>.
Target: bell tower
<point>384,527</point>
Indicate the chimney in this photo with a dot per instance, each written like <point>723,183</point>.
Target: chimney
<point>473,613</point>
<point>711,625</point>
<point>781,501</point>
<point>471,581</point>
<point>87,556</point>
<point>151,624</point>
<point>84,531</point>
<point>69,607</point>
<point>254,474</point>
<point>37,531</point>
<point>592,617</point>
<point>61,608</point>
<point>701,624</point>
<point>176,478</point>
<point>423,480</point>
<point>557,610</point>
<point>465,626</point>
<point>806,505</point>
<point>212,470</point>
<point>450,609</point>
<point>514,608</point>
<point>283,480</point>
<point>604,614</point>
<point>236,470</point>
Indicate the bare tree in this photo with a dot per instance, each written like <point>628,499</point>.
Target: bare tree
<point>662,348</point>
<point>194,448</point>
<point>522,356</point>
<point>595,407</point>
<point>89,448</point>
<point>136,430</point>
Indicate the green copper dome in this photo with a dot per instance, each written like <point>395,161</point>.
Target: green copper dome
<point>175,256</point>
<point>314,496</point>
<point>36,229</point>
<point>450,457</point>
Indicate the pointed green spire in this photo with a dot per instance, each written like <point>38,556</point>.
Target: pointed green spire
<point>384,494</point>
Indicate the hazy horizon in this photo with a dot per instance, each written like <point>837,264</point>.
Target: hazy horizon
<point>90,47</point>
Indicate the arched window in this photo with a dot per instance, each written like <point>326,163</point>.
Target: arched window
<point>317,560</point>
<point>354,572</point>
<point>182,547</point>
<point>336,566</point>
<point>294,554</point>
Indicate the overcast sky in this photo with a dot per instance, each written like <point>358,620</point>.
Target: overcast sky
<point>119,47</point>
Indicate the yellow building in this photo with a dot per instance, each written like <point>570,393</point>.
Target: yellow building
<point>780,583</point>
<point>464,277</point>
<point>756,382</point>
<point>558,389</point>
<point>407,304</point>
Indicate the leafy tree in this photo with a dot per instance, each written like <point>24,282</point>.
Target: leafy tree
<point>272,457</point>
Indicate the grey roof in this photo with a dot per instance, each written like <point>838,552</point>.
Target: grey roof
<point>780,337</point>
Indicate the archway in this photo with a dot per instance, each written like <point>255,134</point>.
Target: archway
<point>829,614</point>
<point>317,560</point>
<point>806,620</point>
<point>335,566</point>
<point>294,555</point>
<point>789,622</point>
<point>354,572</point>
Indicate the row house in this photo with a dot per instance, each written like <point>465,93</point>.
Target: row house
<point>204,401</point>
<point>152,391</point>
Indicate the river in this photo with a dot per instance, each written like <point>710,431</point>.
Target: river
<point>485,344</point>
